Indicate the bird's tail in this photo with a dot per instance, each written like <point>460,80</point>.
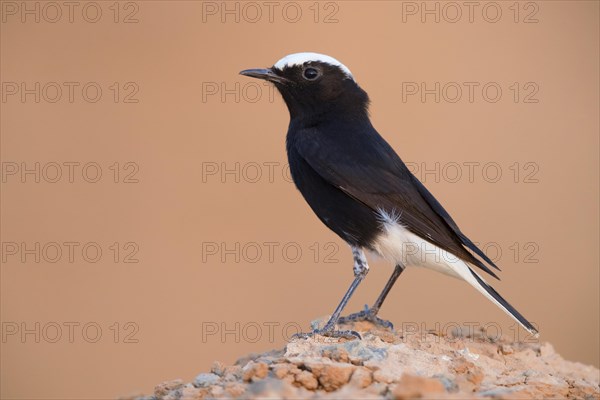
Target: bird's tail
<point>461,270</point>
<point>482,286</point>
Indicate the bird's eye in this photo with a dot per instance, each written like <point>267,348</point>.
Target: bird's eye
<point>311,74</point>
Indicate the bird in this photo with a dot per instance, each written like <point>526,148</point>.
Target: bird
<point>359,187</point>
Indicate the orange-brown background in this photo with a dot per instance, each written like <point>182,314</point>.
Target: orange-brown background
<point>170,294</point>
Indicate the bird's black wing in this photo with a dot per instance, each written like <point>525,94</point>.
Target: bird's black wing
<point>366,168</point>
<point>437,207</point>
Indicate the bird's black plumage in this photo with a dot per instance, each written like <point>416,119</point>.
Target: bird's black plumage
<point>371,174</point>
<point>349,175</point>
<point>347,172</point>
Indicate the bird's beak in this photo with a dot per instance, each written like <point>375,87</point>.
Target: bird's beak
<point>267,74</point>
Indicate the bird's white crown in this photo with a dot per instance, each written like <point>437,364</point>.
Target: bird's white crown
<point>301,58</point>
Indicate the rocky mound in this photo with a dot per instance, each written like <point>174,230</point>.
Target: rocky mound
<point>391,365</point>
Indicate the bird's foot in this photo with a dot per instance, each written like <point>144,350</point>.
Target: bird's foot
<point>348,334</point>
<point>367,314</point>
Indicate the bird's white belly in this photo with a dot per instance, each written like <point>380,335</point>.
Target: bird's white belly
<point>400,246</point>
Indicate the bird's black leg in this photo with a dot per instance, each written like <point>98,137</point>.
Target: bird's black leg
<point>370,314</point>
<point>361,268</point>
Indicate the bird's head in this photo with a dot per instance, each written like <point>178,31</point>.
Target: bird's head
<point>314,84</point>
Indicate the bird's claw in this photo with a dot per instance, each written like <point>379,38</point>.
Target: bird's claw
<point>366,315</point>
<point>346,334</point>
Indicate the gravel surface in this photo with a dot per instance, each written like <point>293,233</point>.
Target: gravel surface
<point>390,365</point>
